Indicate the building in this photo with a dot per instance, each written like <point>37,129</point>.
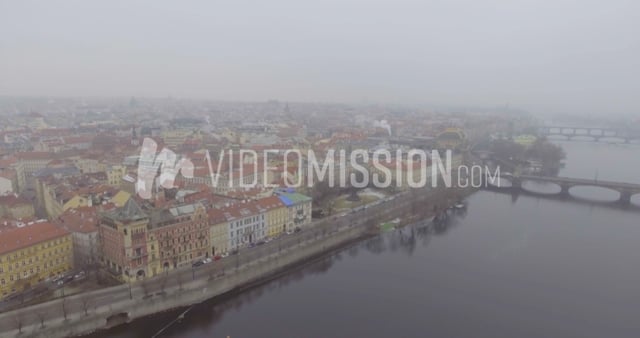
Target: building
<point>277,215</point>
<point>178,236</point>
<point>298,208</point>
<point>525,140</point>
<point>14,207</point>
<point>27,164</point>
<point>8,181</point>
<point>218,232</point>
<point>247,224</point>
<point>138,243</point>
<point>123,241</point>
<point>114,174</point>
<point>82,223</point>
<point>451,138</point>
<point>31,253</point>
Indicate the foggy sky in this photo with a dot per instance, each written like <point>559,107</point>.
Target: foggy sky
<point>552,56</point>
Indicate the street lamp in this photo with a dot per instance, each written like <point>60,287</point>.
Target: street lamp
<point>126,272</point>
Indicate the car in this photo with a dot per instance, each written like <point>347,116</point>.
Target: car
<point>251,245</point>
<point>226,254</point>
<point>297,229</point>
<point>268,240</point>
<point>288,232</point>
<point>260,243</point>
<point>197,264</point>
<point>207,260</point>
<point>234,251</point>
<point>217,257</point>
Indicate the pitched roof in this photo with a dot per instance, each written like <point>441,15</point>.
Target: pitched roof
<point>130,211</point>
<point>15,238</point>
<point>290,199</point>
<point>269,203</point>
<point>82,219</point>
<point>13,200</point>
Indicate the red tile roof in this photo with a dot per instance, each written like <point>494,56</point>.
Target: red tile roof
<point>15,238</point>
<point>82,219</point>
<point>12,200</point>
<point>34,155</point>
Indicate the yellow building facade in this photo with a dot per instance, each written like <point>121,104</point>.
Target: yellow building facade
<point>31,253</point>
<point>277,220</point>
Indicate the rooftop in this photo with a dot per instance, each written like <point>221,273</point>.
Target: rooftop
<point>13,238</point>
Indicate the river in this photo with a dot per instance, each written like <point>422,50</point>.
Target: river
<point>507,267</point>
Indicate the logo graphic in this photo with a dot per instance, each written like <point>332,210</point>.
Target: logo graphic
<point>160,168</point>
<point>359,169</point>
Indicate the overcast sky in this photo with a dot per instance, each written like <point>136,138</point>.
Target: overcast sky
<point>546,56</point>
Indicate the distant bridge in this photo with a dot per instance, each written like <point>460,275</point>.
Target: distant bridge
<point>626,190</point>
<point>595,133</point>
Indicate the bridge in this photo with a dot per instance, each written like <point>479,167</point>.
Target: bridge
<point>626,190</point>
<point>595,133</point>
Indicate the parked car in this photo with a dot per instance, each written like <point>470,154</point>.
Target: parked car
<point>197,263</point>
<point>297,229</point>
<point>226,254</point>
<point>217,257</point>
<point>260,243</point>
<point>234,251</point>
<point>207,260</point>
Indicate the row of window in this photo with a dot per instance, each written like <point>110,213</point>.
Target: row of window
<point>36,258</point>
<point>255,227</point>
<point>27,273</point>
<point>34,248</point>
<point>247,221</point>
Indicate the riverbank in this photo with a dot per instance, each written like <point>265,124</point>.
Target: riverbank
<point>177,314</point>
<point>75,315</point>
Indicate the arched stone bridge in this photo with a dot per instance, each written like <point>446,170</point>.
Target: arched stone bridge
<point>596,133</point>
<point>626,190</point>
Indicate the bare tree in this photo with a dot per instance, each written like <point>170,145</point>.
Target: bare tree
<point>179,280</point>
<point>18,322</point>
<point>65,308</point>
<point>212,273</point>
<point>146,288</point>
<point>86,303</point>
<point>163,282</point>
<point>42,316</point>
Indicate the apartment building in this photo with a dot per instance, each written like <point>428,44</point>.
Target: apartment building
<point>31,253</point>
<point>138,243</point>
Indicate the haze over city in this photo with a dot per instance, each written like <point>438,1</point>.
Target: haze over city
<point>577,57</point>
<point>352,168</point>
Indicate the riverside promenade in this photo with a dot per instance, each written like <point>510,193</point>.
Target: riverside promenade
<point>87,312</point>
